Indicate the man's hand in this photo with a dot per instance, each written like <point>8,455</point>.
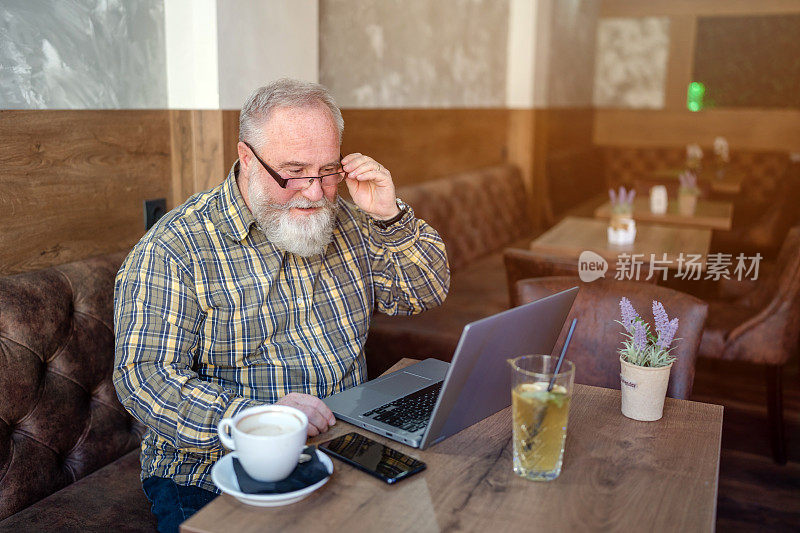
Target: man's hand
<point>370,186</point>
<point>319,416</point>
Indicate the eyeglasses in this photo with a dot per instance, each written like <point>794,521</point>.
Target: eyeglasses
<point>300,184</point>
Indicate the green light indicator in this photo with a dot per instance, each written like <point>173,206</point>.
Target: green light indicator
<point>694,96</point>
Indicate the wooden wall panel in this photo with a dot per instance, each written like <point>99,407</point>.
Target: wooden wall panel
<point>752,129</point>
<point>415,144</point>
<point>198,148</point>
<point>568,160</point>
<point>521,146</point>
<point>230,137</point>
<point>552,147</point>
<point>73,183</point>
<point>422,144</point>
<point>651,8</point>
<point>210,168</point>
<point>182,156</point>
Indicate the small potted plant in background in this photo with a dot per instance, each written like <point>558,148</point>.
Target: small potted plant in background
<point>688,193</point>
<point>645,360</point>
<point>721,156</point>
<point>694,156</point>
<point>622,227</point>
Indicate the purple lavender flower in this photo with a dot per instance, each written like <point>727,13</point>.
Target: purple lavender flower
<point>688,179</point>
<point>666,337</point>
<point>628,313</point>
<point>661,318</point>
<point>613,196</point>
<point>621,194</point>
<point>631,196</point>
<point>639,337</point>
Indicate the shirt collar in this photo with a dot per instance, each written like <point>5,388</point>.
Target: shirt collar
<point>233,215</point>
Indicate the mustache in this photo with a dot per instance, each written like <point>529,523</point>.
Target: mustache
<point>301,203</point>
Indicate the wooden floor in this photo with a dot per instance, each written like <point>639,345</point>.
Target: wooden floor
<point>755,494</point>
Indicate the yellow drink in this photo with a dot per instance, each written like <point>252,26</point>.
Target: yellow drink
<point>540,428</point>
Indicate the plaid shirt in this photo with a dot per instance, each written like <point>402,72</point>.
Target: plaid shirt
<point>210,318</point>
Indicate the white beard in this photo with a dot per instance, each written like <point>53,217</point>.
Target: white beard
<point>307,235</point>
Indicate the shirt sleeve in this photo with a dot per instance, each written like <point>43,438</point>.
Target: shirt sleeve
<point>156,320</point>
<point>409,266</point>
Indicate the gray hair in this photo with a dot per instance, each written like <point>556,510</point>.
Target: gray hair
<point>284,92</point>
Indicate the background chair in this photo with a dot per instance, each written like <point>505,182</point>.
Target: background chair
<point>761,224</point>
<point>597,337</point>
<point>762,327</point>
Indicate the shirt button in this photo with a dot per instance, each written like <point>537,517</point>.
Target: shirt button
<point>299,301</point>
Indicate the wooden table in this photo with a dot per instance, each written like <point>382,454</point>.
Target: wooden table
<point>618,474</point>
<point>730,182</point>
<point>573,235</point>
<point>712,214</point>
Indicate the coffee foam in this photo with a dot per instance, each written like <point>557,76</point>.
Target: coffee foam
<point>269,424</point>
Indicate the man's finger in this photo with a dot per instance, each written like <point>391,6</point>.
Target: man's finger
<point>319,415</point>
<point>316,419</point>
<point>368,167</point>
<point>319,405</point>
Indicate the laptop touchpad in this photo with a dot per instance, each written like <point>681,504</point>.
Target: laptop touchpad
<point>400,383</point>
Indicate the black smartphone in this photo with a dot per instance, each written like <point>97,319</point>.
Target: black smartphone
<point>372,457</point>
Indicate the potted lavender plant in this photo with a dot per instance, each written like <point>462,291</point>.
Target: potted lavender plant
<point>646,361</point>
<point>622,227</point>
<point>688,193</point>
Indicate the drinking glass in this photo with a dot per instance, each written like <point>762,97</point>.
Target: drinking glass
<point>540,416</point>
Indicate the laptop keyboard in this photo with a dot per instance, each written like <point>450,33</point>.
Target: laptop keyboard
<point>411,412</point>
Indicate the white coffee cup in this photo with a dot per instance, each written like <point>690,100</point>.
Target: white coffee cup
<point>268,439</point>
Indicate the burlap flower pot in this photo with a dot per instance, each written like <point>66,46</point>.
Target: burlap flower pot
<point>621,229</point>
<point>687,204</point>
<point>643,390</point>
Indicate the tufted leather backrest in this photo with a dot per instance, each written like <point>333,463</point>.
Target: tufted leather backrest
<point>597,337</point>
<point>60,418</point>
<point>475,212</point>
<point>772,336</point>
<point>624,165</point>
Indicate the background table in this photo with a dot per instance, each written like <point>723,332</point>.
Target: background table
<point>619,474</point>
<point>711,214</point>
<point>573,235</point>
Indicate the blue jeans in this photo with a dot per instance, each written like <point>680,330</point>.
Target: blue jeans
<point>173,503</point>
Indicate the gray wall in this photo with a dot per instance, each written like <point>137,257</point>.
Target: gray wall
<point>414,53</point>
<point>79,54</point>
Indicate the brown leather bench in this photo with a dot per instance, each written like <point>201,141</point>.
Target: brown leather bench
<point>477,213</point>
<point>69,458</point>
<point>764,210</point>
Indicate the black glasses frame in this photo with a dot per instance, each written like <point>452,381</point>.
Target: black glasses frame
<point>283,182</point>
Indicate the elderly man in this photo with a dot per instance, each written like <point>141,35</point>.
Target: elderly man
<point>261,290</point>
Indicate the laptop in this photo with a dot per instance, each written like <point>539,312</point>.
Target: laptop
<point>428,401</point>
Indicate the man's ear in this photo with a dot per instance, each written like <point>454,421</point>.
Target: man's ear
<point>245,157</point>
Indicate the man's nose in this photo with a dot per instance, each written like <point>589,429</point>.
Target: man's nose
<point>314,191</point>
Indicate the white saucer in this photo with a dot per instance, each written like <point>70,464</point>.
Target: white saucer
<point>224,477</point>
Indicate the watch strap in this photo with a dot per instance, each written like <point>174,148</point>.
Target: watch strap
<point>383,224</point>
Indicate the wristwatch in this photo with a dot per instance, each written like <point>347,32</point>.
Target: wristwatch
<point>401,205</point>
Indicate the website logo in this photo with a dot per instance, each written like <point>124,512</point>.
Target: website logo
<point>591,266</point>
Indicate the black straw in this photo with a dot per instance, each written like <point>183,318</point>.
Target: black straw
<point>563,353</point>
